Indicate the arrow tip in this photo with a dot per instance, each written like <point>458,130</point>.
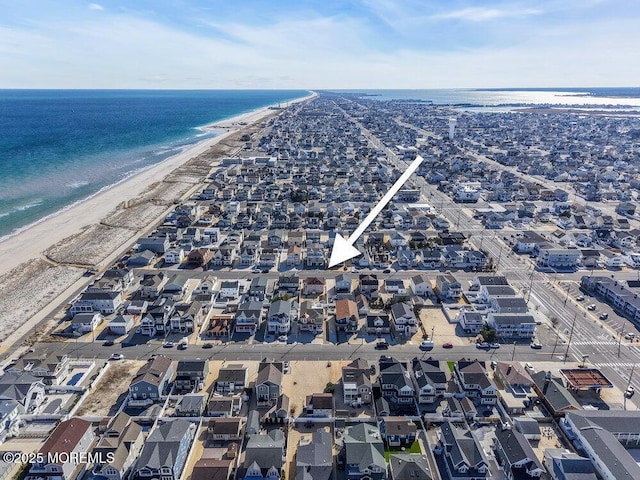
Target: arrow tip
<point>342,251</point>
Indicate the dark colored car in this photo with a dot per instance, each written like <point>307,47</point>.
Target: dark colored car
<point>447,345</point>
<point>109,343</point>
<point>207,345</point>
<point>382,345</point>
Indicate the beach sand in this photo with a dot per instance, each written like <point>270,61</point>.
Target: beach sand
<point>60,242</point>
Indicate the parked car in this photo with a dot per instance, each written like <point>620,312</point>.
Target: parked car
<point>282,338</point>
<point>494,345</point>
<point>591,307</point>
<point>382,345</point>
<point>482,345</point>
<point>580,298</point>
<point>168,345</point>
<point>386,271</point>
<point>447,345</point>
<point>207,345</point>
<point>117,356</point>
<point>630,336</point>
<point>426,345</point>
<point>536,346</point>
<point>108,343</point>
<point>604,316</point>
<point>630,391</point>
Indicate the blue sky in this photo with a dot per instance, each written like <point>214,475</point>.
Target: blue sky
<point>319,44</point>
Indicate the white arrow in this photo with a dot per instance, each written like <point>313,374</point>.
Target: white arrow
<point>344,250</point>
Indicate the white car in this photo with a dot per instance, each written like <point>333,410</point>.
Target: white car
<point>117,356</point>
<point>591,307</point>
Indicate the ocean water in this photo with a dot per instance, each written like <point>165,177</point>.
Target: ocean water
<point>58,147</point>
<point>491,98</point>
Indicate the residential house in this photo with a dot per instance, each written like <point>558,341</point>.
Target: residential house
<point>86,322</point>
<point>516,385</point>
<point>279,317</point>
<point>515,455</point>
<point>199,257</point>
<point>52,370</point>
<point>558,258</point>
<point>105,302</point>
<point>232,379</point>
<point>265,455</point>
<point>319,405</point>
<point>398,431</point>
<point>314,458</point>
<point>512,326</point>
<point>11,412</point>
<point>448,287</point>
<point>165,451</point>
<point>123,438</point>
<point>225,429</point>
<point>429,380</point>
<point>474,380</point>
<point>248,317</point>
<point>356,383</point>
<point>294,256</point>
<point>369,285</point>
<point>461,454</point>
<point>395,383</point>
<point>395,285</point>
<point>404,318</point>
<point>151,381</point>
<point>23,388</point>
<point>290,283</point>
<point>227,406</point>
<point>74,436</point>
<point>343,283</point>
<point>315,256</point>
<point>553,394</point>
<point>311,318</point>
<point>121,324</point>
<point>268,385</point>
<point>313,286</point>
<point>347,315</point>
<point>363,453</point>
<point>258,289</point>
<point>470,322</point>
<point>421,286</point>
<point>409,466</point>
<point>229,289</point>
<point>191,405</point>
<point>191,375</point>
<point>378,324</point>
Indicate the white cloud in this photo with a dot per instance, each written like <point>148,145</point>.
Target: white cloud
<point>95,6</point>
<point>482,14</point>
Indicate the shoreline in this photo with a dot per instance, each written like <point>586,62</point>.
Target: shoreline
<point>34,239</point>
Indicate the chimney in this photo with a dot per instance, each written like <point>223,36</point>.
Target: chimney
<point>509,370</point>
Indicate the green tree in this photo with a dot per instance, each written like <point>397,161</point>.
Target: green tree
<point>488,334</point>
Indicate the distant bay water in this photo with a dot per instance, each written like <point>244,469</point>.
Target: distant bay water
<point>491,99</point>
<point>58,147</point>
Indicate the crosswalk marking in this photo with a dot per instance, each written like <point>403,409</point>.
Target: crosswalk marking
<point>619,364</point>
<point>594,342</point>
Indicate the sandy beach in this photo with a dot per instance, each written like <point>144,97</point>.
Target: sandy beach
<point>30,243</point>
<point>44,263</point>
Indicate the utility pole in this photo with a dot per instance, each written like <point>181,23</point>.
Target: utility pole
<point>626,394</point>
<point>530,286</point>
<point>513,354</point>
<point>620,338</point>
<point>573,324</point>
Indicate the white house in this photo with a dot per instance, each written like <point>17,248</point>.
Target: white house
<point>174,256</point>
<point>121,324</point>
<point>404,319</point>
<point>421,285</point>
<point>279,317</point>
<point>229,289</point>
<point>86,322</point>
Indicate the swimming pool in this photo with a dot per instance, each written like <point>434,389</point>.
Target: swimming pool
<point>75,379</point>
